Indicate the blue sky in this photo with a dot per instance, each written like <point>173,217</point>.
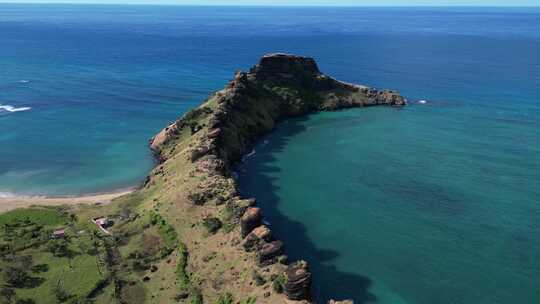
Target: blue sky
<point>304,2</point>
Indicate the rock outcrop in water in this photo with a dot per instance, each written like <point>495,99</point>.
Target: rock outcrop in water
<point>223,129</point>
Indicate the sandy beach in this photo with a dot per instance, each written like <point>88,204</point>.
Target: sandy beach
<point>10,203</point>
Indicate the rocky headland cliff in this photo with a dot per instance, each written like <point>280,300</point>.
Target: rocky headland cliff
<point>218,133</point>
<point>186,235</point>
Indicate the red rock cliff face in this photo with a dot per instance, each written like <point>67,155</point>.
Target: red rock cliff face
<point>233,119</point>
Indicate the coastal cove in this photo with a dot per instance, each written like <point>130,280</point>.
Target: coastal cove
<point>393,228</point>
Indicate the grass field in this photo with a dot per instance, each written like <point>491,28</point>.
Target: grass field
<point>46,216</point>
<point>86,265</point>
<point>36,267</point>
<point>77,276</point>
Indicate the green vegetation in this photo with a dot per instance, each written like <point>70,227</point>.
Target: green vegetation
<point>181,264</point>
<point>26,228</point>
<point>44,216</point>
<point>225,299</point>
<point>81,265</point>
<point>278,284</point>
<point>228,299</point>
<point>212,225</point>
<point>36,267</point>
<point>197,297</point>
<point>167,232</point>
<point>230,215</point>
<point>250,300</point>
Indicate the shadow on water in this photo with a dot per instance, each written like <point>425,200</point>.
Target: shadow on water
<point>256,179</point>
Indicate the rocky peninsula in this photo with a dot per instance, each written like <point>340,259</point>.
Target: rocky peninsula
<point>223,129</point>
<point>187,236</point>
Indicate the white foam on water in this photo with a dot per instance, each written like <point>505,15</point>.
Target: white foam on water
<point>423,101</point>
<point>23,81</point>
<point>245,157</point>
<point>13,109</point>
<point>10,195</point>
<point>7,195</point>
<point>251,153</point>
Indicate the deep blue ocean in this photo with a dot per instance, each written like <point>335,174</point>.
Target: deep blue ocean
<point>435,203</point>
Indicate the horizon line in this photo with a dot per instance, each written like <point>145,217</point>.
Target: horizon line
<point>276,5</point>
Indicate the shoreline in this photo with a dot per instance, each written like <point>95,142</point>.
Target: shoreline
<point>191,190</point>
<point>207,143</point>
<point>16,202</point>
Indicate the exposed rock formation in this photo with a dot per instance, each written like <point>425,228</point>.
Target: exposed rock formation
<point>251,219</point>
<point>222,129</point>
<point>252,103</point>
<point>270,253</point>
<point>257,238</point>
<point>298,281</point>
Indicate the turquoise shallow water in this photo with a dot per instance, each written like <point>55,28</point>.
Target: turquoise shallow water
<point>432,203</point>
<point>416,205</point>
<point>101,80</point>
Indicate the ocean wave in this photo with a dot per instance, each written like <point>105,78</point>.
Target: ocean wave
<point>7,195</point>
<point>8,108</point>
<point>423,101</point>
<point>245,157</point>
<point>253,152</point>
<point>23,81</point>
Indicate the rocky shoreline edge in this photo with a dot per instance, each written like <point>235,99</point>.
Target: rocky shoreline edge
<point>216,135</point>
